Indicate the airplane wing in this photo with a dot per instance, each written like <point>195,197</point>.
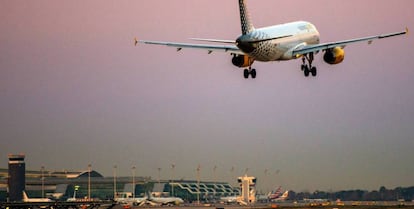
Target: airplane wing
<point>320,47</point>
<point>210,48</point>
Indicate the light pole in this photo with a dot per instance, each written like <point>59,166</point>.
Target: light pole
<point>214,180</point>
<point>43,181</point>
<point>89,181</point>
<point>172,180</point>
<point>232,175</point>
<point>266,180</point>
<point>198,184</point>
<point>115,167</point>
<point>133,181</point>
<point>159,175</point>
<point>277,175</point>
<point>214,173</point>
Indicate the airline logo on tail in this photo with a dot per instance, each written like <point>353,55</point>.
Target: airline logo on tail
<point>275,194</point>
<point>276,197</point>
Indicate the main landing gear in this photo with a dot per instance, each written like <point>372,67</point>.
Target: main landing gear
<point>249,72</point>
<point>308,68</point>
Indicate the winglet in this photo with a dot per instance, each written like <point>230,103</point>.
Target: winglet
<point>406,30</point>
<point>135,41</point>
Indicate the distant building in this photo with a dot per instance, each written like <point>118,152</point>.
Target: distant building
<point>248,185</point>
<point>16,180</point>
<point>61,184</point>
<point>188,190</point>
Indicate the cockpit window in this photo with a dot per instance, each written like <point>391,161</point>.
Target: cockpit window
<point>303,27</point>
<point>306,27</point>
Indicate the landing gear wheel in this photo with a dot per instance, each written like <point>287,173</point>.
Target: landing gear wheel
<point>253,73</point>
<point>246,73</point>
<point>306,71</point>
<point>314,71</point>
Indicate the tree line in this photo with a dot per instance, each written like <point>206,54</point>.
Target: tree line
<point>383,194</point>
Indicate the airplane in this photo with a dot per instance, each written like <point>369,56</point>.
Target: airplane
<point>127,200</point>
<point>229,199</point>
<point>132,201</point>
<point>281,198</point>
<point>233,200</point>
<point>275,194</point>
<point>281,42</point>
<point>271,195</point>
<point>27,199</point>
<point>237,199</point>
<point>163,200</point>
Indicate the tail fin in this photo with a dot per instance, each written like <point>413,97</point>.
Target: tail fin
<point>25,197</point>
<point>275,194</point>
<point>246,23</point>
<point>286,194</point>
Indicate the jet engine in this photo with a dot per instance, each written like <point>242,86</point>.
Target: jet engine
<point>241,61</point>
<point>334,55</point>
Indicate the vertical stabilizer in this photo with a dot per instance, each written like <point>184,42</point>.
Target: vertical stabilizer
<point>25,197</point>
<point>246,23</point>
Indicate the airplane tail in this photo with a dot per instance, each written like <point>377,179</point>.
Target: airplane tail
<point>285,195</point>
<point>246,23</point>
<point>275,194</point>
<point>25,197</point>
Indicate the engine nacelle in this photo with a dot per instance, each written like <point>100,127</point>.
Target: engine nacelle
<point>242,61</point>
<point>334,55</point>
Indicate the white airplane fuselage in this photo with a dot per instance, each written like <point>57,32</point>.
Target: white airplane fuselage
<point>27,199</point>
<point>294,35</point>
<point>167,200</point>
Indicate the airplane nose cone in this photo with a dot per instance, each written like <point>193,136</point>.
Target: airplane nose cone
<point>244,43</point>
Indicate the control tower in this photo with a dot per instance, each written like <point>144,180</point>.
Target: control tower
<point>248,189</point>
<point>16,180</point>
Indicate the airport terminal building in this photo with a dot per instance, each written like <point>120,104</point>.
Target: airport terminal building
<point>61,185</point>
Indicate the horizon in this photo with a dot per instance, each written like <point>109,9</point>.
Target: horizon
<point>219,181</point>
<point>76,91</point>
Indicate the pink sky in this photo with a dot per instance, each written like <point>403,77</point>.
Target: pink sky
<point>72,85</point>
